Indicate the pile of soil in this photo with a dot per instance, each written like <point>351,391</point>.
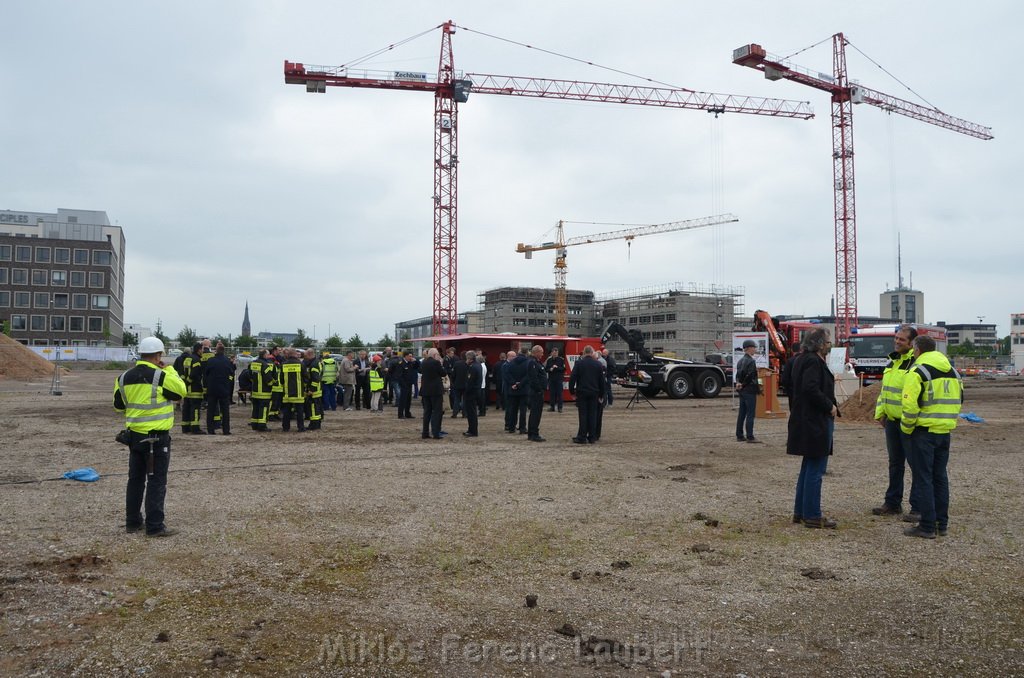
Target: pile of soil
<point>861,405</point>
<point>17,361</point>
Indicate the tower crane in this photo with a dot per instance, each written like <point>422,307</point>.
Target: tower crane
<point>844,95</point>
<point>635,231</point>
<point>451,88</point>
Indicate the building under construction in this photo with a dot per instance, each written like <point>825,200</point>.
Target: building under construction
<point>681,320</point>
<point>531,310</point>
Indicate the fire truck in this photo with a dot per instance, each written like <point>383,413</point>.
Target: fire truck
<point>869,347</point>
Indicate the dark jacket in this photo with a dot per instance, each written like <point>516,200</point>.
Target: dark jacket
<point>431,372</point>
<point>536,377</point>
<point>407,371</point>
<point>786,376</point>
<point>814,394</point>
<point>587,377</point>
<point>516,379</point>
<point>555,367</point>
<point>459,374</point>
<point>475,376</point>
<point>220,376</point>
<point>746,374</point>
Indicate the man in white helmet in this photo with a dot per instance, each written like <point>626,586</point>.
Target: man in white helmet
<point>146,394</point>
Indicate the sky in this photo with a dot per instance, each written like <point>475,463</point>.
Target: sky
<point>231,186</point>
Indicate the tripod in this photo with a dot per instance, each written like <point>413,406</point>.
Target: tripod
<point>638,397</point>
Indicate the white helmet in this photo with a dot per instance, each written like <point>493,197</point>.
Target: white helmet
<point>150,345</point>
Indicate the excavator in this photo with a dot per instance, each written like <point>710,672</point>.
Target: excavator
<point>677,378</point>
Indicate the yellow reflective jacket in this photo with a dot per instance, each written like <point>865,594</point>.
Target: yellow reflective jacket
<point>932,395</point>
<point>146,395</point>
<point>890,398</point>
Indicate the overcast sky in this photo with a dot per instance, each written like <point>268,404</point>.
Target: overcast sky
<point>231,186</point>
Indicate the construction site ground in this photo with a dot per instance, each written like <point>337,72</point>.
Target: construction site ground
<point>665,549</point>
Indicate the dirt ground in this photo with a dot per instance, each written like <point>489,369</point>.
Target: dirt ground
<point>665,549</point>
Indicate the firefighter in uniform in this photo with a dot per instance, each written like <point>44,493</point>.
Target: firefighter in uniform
<point>888,412</point>
<point>263,372</point>
<point>294,384</point>
<point>278,390</point>
<point>146,394</point>
<point>192,406</point>
<point>932,396</point>
<point>329,381</point>
<point>314,405</point>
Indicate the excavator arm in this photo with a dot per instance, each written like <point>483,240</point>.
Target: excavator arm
<point>633,338</point>
<point>763,322</point>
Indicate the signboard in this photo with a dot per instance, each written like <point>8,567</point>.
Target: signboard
<point>761,338</point>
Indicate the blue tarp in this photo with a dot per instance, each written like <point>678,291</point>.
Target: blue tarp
<point>87,474</point>
<point>972,417</point>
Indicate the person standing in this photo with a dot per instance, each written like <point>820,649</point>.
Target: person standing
<point>362,394</point>
<point>146,395</point>
<point>481,360</point>
<point>408,374</point>
<point>264,378</point>
<point>747,388</point>
<point>474,377</point>
<point>219,375</point>
<point>586,383</point>
<point>277,391</point>
<point>609,376</point>
<point>377,391</point>
<point>516,391</point>
<point>888,413</point>
<point>459,375</point>
<point>432,393</point>
<point>537,384</point>
<point>295,381</point>
<point>555,369</point>
<point>329,381</point>
<point>313,408</point>
<point>811,424</point>
<point>932,396</point>
<point>347,379</point>
<point>498,377</point>
<point>192,405</point>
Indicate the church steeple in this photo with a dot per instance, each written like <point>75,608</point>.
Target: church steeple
<point>246,328</point>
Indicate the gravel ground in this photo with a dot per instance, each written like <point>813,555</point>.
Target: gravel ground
<point>665,549</point>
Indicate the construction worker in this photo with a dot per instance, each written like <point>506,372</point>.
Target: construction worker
<point>314,405</point>
<point>192,405</point>
<point>294,383</point>
<point>888,411</point>
<point>932,396</point>
<point>146,394</point>
<point>329,381</point>
<point>263,373</point>
<point>376,384</point>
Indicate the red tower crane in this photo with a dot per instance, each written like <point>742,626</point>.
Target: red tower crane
<point>451,88</point>
<point>844,95</point>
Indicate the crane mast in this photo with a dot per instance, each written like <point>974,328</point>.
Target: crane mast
<point>844,96</point>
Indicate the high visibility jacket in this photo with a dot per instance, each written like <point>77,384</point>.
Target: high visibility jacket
<point>146,395</point>
<point>932,395</point>
<point>264,378</point>
<point>194,370</point>
<point>329,370</point>
<point>279,383</point>
<point>376,380</point>
<point>890,398</point>
<point>314,387</point>
<point>293,381</point>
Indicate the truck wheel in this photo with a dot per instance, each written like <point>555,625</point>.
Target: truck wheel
<point>709,384</point>
<point>650,391</point>
<point>679,385</point>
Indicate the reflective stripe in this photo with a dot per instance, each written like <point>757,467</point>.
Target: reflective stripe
<point>152,417</point>
<point>943,415</point>
<point>892,388</point>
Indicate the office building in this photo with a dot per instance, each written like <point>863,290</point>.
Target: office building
<point>62,277</point>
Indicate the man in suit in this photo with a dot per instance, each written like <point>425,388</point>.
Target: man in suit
<point>474,377</point>
<point>587,383</point>
<point>432,392</point>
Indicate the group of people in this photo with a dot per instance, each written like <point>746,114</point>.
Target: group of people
<point>918,407</point>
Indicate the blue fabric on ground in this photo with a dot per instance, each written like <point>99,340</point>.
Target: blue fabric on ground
<point>972,417</point>
<point>86,475</point>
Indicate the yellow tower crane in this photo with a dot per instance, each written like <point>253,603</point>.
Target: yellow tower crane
<point>635,231</point>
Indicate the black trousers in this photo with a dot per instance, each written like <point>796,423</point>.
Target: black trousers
<point>260,408</point>
<point>190,410</point>
<point>218,405</point>
<point>144,487</point>
<point>289,410</point>
<point>556,392</point>
<point>472,409</point>
<point>405,401</point>
<point>458,396</point>
<point>515,412</point>
<point>587,408</point>
<point>536,402</point>
<point>432,411</point>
